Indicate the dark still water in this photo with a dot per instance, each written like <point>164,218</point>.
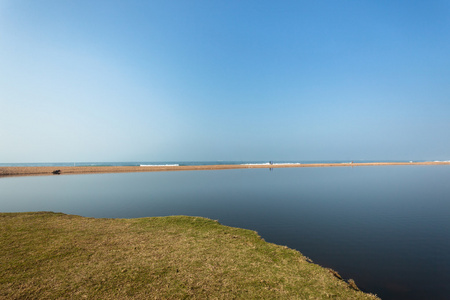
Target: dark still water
<point>388,228</point>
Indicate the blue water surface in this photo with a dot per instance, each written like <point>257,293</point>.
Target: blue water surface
<point>387,227</point>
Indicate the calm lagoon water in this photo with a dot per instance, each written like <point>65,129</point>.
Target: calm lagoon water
<point>386,227</point>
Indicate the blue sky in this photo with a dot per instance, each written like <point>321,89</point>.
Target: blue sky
<point>224,80</point>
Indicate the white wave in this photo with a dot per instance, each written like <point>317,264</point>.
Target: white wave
<point>174,165</point>
<point>442,161</point>
<point>287,164</point>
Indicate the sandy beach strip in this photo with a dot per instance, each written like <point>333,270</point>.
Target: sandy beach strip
<point>42,171</point>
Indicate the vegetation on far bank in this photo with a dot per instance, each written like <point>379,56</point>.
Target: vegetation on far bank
<point>51,255</point>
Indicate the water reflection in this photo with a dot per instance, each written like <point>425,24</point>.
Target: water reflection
<point>386,227</point>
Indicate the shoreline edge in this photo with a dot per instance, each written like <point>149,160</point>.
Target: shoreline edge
<point>64,170</point>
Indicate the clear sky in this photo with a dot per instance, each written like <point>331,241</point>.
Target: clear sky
<point>224,80</point>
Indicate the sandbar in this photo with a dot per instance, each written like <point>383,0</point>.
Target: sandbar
<point>64,170</point>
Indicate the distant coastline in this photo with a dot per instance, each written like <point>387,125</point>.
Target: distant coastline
<point>89,169</point>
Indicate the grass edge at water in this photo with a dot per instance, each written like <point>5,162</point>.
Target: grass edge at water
<point>54,255</point>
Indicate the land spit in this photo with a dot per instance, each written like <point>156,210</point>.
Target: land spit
<point>63,170</point>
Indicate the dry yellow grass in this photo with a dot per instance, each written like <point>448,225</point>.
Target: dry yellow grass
<point>57,256</point>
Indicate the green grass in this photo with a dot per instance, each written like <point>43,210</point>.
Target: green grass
<point>56,256</point>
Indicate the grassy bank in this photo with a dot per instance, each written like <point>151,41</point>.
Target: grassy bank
<point>49,255</point>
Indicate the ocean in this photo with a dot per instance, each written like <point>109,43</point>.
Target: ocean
<point>186,163</point>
